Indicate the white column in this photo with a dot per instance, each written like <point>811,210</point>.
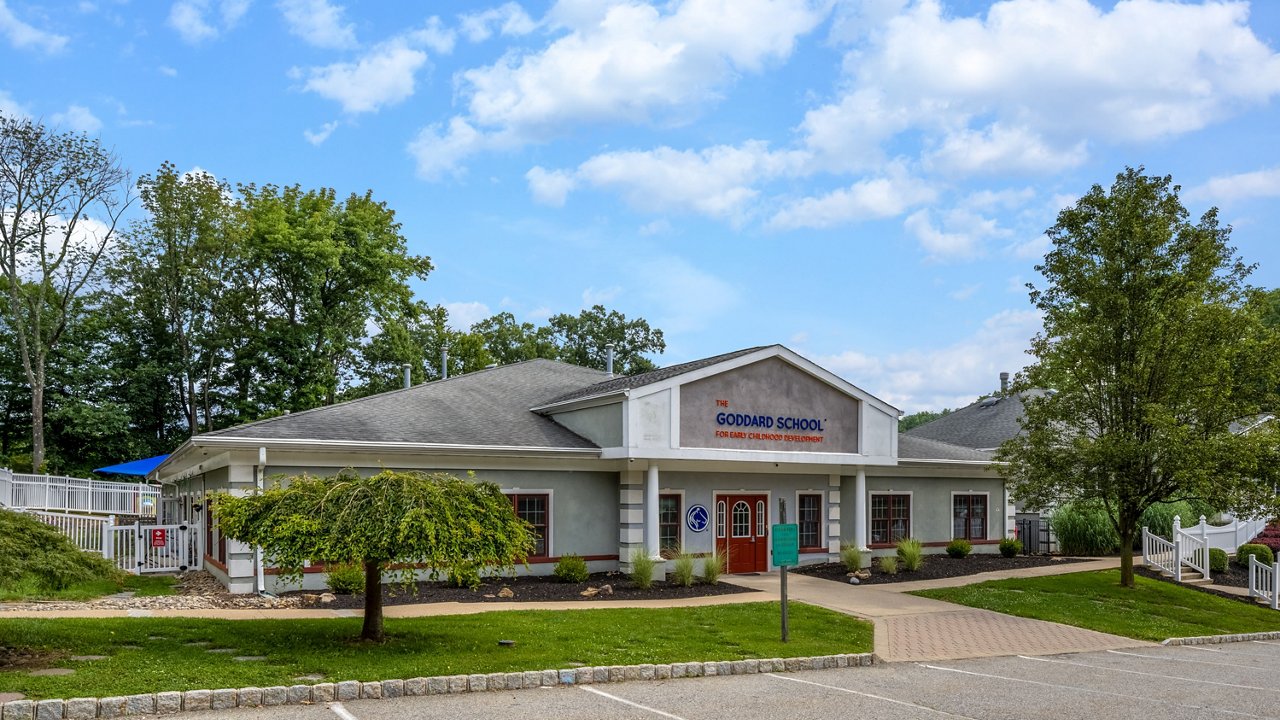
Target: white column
<point>860,509</point>
<point>651,511</point>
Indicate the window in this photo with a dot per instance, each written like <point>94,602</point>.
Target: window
<point>719,518</point>
<point>669,524</point>
<point>890,518</point>
<point>535,510</point>
<point>969,517</point>
<point>760,518</point>
<point>741,519</point>
<point>809,520</point>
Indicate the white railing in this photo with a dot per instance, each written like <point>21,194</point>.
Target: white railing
<point>88,532</point>
<point>67,494</point>
<point>1193,549</point>
<point>1264,582</point>
<point>139,548</point>
<point>1230,536</point>
<point>1161,554</point>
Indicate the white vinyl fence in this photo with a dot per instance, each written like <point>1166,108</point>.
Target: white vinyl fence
<point>1189,547</point>
<point>1264,582</point>
<point>88,532</point>
<point>135,548</point>
<point>66,494</point>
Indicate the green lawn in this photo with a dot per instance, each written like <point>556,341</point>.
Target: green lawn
<point>1153,610</point>
<point>89,589</point>
<point>417,647</point>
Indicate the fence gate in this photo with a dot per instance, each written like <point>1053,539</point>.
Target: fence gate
<point>1036,535</point>
<point>142,548</point>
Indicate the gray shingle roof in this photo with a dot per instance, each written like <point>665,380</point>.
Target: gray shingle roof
<point>984,424</point>
<point>918,448</point>
<point>488,407</point>
<point>627,382</point>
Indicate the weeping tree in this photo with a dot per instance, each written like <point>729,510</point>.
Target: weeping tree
<point>392,520</point>
<point>1159,367</point>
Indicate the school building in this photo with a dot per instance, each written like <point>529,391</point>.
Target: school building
<point>693,457</point>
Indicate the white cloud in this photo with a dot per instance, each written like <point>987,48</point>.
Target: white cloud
<point>1241,186</point>
<point>1022,87</point>
<point>318,137</point>
<point>168,71</point>
<point>318,23</point>
<point>600,296</point>
<point>192,18</point>
<point>1032,249</point>
<point>12,108</point>
<point>434,36</point>
<point>627,62</point>
<point>439,151</point>
<point>24,36</point>
<point>549,187</point>
<point>661,226</point>
<point>868,199</point>
<point>462,315</point>
<point>507,19</point>
<point>940,245</point>
<point>966,292</point>
<point>949,376</point>
<point>383,76</point>
<point>77,118</point>
<point>999,149</point>
<point>1008,199</point>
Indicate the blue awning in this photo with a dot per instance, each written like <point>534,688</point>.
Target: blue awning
<point>135,467</point>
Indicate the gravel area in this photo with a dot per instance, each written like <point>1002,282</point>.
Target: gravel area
<point>937,567</point>
<point>192,591</point>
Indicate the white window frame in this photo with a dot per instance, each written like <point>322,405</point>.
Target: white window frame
<point>951,510</point>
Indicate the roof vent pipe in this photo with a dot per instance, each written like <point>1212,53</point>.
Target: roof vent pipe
<point>444,362</point>
<point>408,378</point>
<point>608,359</point>
<point>1004,383</point>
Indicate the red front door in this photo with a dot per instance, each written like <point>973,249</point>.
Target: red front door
<point>745,543</point>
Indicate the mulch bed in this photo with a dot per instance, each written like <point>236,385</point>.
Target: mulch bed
<point>937,567</point>
<point>525,588</point>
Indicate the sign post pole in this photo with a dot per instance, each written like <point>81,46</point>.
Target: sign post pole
<point>782,518</point>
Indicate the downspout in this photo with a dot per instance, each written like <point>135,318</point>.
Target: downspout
<point>260,471</point>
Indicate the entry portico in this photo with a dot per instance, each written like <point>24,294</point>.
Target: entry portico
<point>693,458</point>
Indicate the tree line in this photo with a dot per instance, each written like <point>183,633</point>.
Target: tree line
<point>219,305</point>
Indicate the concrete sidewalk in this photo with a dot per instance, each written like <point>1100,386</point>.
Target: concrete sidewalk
<point>915,628</point>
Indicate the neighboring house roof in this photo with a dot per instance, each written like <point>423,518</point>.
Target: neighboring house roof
<point>485,408</point>
<point>627,382</point>
<point>918,448</point>
<point>983,425</point>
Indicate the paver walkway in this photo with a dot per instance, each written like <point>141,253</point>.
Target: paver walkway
<point>915,628</point>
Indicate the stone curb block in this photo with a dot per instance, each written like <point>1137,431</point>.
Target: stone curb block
<point>167,703</point>
<point>1220,639</point>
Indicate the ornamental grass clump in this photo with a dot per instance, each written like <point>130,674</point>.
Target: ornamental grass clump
<point>682,570</point>
<point>712,568</point>
<point>888,564</point>
<point>911,553</point>
<point>642,566</point>
<point>1084,529</point>
<point>851,556</point>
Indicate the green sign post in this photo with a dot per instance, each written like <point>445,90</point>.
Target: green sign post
<point>786,553</point>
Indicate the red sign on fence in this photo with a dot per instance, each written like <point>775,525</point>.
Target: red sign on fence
<point>158,538</point>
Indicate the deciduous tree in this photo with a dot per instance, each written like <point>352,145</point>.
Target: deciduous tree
<point>439,521</point>
<point>1153,346</point>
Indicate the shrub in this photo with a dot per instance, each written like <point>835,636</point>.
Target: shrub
<point>1262,552</point>
<point>888,564</point>
<point>682,570</point>
<point>1270,537</point>
<point>465,576</point>
<point>1217,560</point>
<point>851,556</point>
<point>39,559</point>
<point>1010,547</point>
<point>1084,529</point>
<point>1158,518</point>
<point>346,579</point>
<point>571,569</point>
<point>642,566</point>
<point>959,548</point>
<point>911,553</point>
<point>712,567</point>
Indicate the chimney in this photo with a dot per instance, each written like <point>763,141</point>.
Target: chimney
<point>444,362</point>
<point>408,381</point>
<point>1004,383</point>
<point>608,359</point>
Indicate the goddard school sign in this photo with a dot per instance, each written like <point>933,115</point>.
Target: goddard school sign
<point>770,405</point>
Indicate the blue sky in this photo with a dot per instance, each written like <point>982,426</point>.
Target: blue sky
<point>867,182</point>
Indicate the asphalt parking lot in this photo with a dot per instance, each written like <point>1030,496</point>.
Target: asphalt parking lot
<point>1229,681</point>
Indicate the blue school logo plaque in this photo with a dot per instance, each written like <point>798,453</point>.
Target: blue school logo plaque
<point>697,518</point>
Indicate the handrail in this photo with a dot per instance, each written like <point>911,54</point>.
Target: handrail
<point>1193,551</point>
<point>99,497</point>
<point>1161,554</point>
<point>1264,581</point>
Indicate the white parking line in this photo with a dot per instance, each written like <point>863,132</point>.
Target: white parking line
<point>1077,688</point>
<point>869,695</point>
<point>624,701</point>
<point>341,711</point>
<point>1185,660</point>
<point>1154,675</point>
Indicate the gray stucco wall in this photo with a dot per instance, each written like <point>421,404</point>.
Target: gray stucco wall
<point>772,389</point>
<point>601,425</point>
<point>930,505</point>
